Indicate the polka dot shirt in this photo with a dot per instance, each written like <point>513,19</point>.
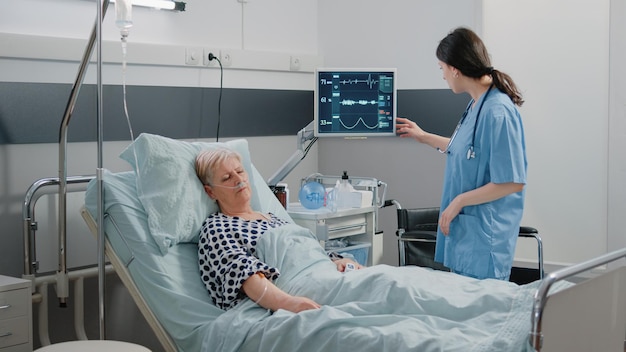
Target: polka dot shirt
<point>226,252</point>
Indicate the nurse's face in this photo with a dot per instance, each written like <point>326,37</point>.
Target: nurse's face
<point>449,73</point>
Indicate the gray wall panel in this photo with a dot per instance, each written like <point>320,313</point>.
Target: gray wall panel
<point>29,111</point>
<point>258,112</point>
<point>32,112</point>
<point>175,112</point>
<point>435,110</point>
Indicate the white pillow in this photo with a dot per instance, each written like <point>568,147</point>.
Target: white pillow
<point>168,188</point>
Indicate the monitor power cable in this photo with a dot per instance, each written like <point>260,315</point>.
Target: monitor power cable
<point>219,100</point>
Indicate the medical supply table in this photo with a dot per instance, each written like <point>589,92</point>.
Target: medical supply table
<point>354,224</point>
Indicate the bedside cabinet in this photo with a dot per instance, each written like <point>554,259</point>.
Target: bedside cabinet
<point>15,315</point>
<point>355,224</point>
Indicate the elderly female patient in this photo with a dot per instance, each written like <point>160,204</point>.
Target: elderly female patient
<point>226,248</point>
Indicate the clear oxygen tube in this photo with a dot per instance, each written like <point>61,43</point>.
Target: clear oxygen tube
<point>241,184</point>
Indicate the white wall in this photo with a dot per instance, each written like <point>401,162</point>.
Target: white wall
<point>161,38</point>
<point>42,42</point>
<point>393,33</point>
<point>404,35</point>
<point>42,48</point>
<point>558,53</point>
<point>617,127</point>
<point>562,66</point>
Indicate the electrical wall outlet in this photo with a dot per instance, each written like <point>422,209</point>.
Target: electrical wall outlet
<point>294,63</point>
<point>226,57</point>
<point>205,57</point>
<point>193,56</point>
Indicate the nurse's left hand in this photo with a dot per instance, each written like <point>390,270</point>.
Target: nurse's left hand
<point>448,215</point>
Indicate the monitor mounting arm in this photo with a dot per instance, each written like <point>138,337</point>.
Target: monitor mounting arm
<point>304,135</point>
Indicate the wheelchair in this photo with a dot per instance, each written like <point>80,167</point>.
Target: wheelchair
<point>417,235</point>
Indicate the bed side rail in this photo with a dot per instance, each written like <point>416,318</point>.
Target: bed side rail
<point>541,295</point>
<point>38,189</point>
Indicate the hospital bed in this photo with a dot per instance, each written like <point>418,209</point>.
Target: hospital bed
<point>151,223</point>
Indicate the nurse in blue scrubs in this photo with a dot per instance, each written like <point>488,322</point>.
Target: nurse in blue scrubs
<point>483,190</point>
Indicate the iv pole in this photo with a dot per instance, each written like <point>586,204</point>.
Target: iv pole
<point>99,170</point>
<point>62,278</point>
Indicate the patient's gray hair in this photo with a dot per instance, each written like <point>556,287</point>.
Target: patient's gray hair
<point>208,160</point>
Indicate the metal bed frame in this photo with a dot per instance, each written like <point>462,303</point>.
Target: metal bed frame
<point>616,285</point>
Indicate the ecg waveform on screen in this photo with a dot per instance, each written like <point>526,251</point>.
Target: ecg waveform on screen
<point>350,102</point>
<point>369,81</point>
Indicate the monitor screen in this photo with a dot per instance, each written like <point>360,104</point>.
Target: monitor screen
<point>355,102</point>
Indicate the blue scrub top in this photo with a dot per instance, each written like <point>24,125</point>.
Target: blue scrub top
<point>482,238</point>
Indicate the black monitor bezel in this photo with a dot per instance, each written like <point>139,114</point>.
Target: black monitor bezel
<point>359,134</point>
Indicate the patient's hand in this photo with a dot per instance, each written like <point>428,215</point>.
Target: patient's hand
<point>269,296</point>
<point>298,304</point>
<point>341,264</point>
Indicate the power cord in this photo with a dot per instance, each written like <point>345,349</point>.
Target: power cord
<point>219,101</point>
<point>308,147</point>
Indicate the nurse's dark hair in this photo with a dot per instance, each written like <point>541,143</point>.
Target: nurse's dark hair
<point>464,50</point>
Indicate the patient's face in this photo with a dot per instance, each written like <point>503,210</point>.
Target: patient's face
<point>226,177</point>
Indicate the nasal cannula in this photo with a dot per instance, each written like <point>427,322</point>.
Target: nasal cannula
<point>241,184</point>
